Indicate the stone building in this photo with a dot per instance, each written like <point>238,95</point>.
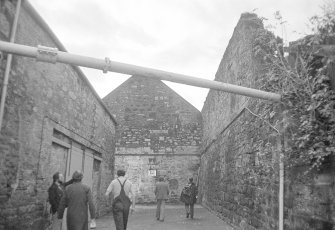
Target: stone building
<point>54,121</point>
<point>159,134</point>
<point>232,151</point>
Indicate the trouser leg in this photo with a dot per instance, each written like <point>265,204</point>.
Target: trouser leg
<point>162,210</point>
<point>192,210</point>
<point>118,220</point>
<point>125,218</point>
<point>158,210</point>
<point>56,223</point>
<point>64,220</point>
<point>187,208</point>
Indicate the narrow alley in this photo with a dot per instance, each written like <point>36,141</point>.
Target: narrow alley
<point>144,219</point>
<point>167,102</point>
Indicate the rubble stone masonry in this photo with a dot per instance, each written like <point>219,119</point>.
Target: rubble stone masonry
<point>159,132</point>
<point>50,110</point>
<point>238,179</point>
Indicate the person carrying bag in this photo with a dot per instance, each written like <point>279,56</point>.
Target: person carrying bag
<point>189,198</point>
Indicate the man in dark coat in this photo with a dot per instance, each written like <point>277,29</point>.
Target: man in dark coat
<point>78,199</point>
<point>162,193</point>
<point>189,197</point>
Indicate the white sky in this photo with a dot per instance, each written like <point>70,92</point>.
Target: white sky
<point>182,36</point>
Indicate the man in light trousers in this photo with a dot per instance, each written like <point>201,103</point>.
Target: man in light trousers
<point>123,198</point>
<point>162,193</point>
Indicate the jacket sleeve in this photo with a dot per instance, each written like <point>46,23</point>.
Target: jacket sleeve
<point>62,205</point>
<point>90,203</point>
<point>68,183</point>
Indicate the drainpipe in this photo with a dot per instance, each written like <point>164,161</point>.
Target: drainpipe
<point>280,144</point>
<point>9,63</point>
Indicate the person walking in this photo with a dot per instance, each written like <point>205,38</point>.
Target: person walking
<point>162,193</point>
<point>78,200</point>
<point>122,192</point>
<point>189,197</point>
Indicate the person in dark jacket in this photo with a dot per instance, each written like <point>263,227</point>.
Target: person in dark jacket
<point>55,193</point>
<point>78,199</point>
<point>189,197</point>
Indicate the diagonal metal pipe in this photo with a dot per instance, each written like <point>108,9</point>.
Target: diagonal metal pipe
<point>9,64</point>
<point>52,55</point>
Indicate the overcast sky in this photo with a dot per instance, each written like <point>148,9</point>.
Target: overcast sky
<point>182,36</point>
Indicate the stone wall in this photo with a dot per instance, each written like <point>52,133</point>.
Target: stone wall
<point>239,175</point>
<point>157,128</point>
<point>175,169</point>
<point>228,184</point>
<point>50,110</point>
<point>310,203</point>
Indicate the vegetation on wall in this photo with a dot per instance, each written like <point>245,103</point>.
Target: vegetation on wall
<point>307,110</point>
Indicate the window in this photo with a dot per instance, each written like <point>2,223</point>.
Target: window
<point>96,165</point>
<point>152,172</point>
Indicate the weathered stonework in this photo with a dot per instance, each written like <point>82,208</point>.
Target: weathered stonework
<point>51,110</point>
<point>159,131</point>
<point>175,169</point>
<point>239,178</point>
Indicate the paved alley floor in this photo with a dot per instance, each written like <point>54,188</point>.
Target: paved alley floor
<point>144,219</point>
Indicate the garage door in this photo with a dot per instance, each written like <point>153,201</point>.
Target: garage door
<point>76,160</point>
<point>57,161</point>
<point>88,169</point>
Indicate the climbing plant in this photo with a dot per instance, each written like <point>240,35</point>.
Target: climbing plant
<point>307,110</point>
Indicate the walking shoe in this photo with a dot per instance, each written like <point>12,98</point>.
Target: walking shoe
<point>93,225</point>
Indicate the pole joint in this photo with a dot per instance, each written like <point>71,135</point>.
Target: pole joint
<point>108,63</point>
<point>47,54</point>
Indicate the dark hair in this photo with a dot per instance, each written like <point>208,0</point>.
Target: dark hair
<point>55,177</point>
<point>120,172</point>
<point>190,180</point>
<point>160,179</point>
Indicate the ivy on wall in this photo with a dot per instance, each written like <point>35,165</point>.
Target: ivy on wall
<point>307,110</point>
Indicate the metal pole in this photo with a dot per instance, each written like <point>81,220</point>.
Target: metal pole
<point>281,191</point>
<point>282,145</point>
<point>281,149</point>
<point>8,64</point>
<point>52,55</point>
